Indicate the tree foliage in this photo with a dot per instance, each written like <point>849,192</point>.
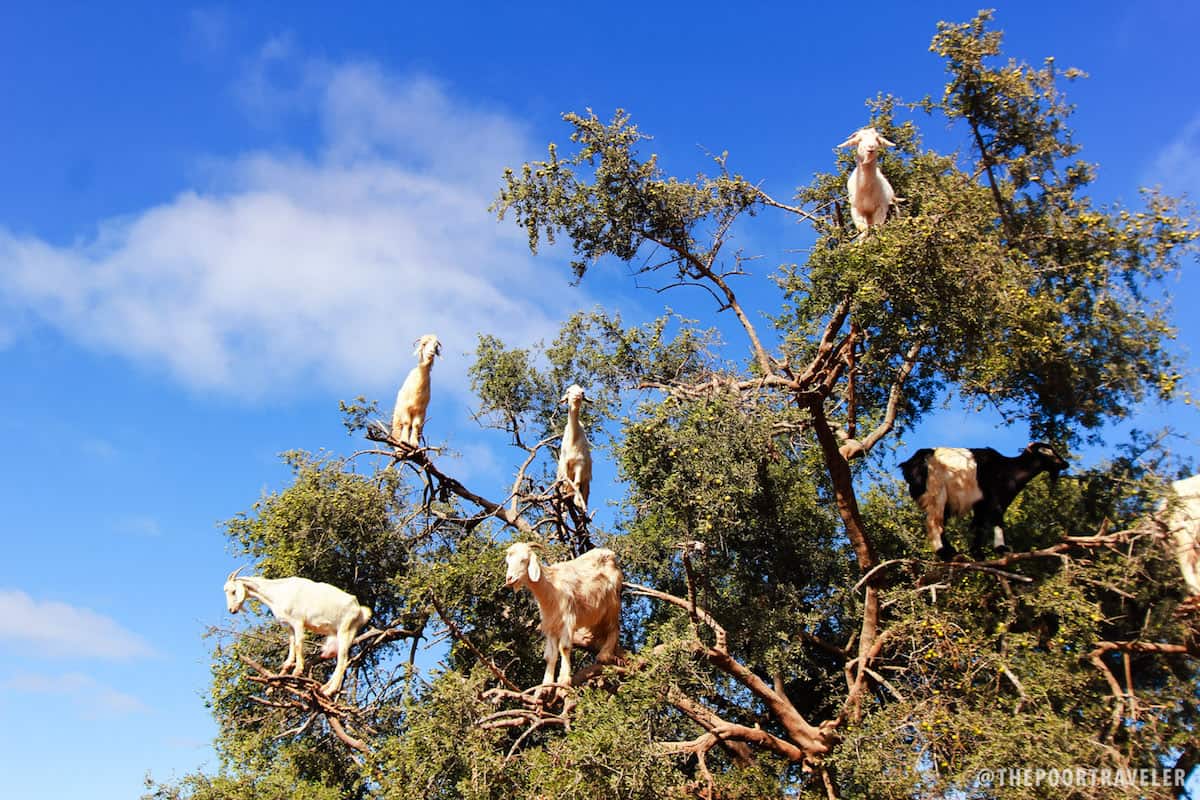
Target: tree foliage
<point>786,631</point>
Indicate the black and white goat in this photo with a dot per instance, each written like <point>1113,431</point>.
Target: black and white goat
<point>950,481</point>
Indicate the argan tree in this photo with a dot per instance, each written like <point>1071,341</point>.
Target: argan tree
<point>786,629</point>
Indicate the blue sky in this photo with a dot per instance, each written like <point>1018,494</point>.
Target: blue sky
<point>217,223</point>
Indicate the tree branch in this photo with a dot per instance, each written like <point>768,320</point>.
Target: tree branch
<point>419,459</point>
<point>854,449</point>
<point>704,269</point>
<point>462,637</point>
<point>813,740</point>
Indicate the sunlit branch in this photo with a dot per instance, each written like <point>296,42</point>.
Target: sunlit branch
<point>855,449</point>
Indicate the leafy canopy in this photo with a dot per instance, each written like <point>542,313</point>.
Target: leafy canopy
<point>786,631</point>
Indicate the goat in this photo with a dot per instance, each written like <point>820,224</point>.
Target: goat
<point>949,481</point>
<point>579,600</point>
<point>575,457</point>
<point>408,418</point>
<point>1184,527</point>
<point>870,193</point>
<point>302,605</point>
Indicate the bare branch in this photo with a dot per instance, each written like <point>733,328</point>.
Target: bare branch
<point>703,269</point>
<point>770,201</point>
<point>462,637</point>
<point>420,460</point>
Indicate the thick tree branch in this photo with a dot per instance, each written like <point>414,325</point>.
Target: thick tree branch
<point>813,740</point>
<point>855,449</point>
<point>725,730</point>
<point>825,346</point>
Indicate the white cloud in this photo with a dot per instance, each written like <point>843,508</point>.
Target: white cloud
<point>1177,166</point>
<point>310,268</point>
<point>83,689</point>
<point>58,629</point>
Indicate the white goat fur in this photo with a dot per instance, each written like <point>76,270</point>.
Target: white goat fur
<point>408,418</point>
<point>1184,525</point>
<point>575,457</point>
<point>580,603</point>
<point>870,193</point>
<point>952,490</point>
<point>303,605</point>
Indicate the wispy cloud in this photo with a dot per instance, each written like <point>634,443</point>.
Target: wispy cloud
<point>478,461</point>
<point>138,525</point>
<point>318,267</point>
<point>208,31</point>
<point>85,690</point>
<point>1176,167</point>
<point>62,630</point>
<point>98,448</point>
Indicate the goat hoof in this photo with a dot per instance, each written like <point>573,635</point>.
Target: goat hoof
<point>1002,549</point>
<point>946,553</point>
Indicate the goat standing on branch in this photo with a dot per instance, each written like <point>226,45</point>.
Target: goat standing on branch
<point>1184,527</point>
<point>579,600</point>
<point>302,605</point>
<point>950,481</point>
<point>408,418</point>
<point>575,457</point>
<point>870,193</point>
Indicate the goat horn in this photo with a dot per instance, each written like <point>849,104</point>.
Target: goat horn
<point>233,574</point>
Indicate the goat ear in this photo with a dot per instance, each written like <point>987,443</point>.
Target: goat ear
<point>853,140</point>
<point>887,142</point>
<point>535,568</point>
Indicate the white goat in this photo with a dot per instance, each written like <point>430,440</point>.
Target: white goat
<point>870,193</point>
<point>1184,526</point>
<point>302,605</point>
<point>580,602</point>
<point>575,457</point>
<point>408,418</point>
